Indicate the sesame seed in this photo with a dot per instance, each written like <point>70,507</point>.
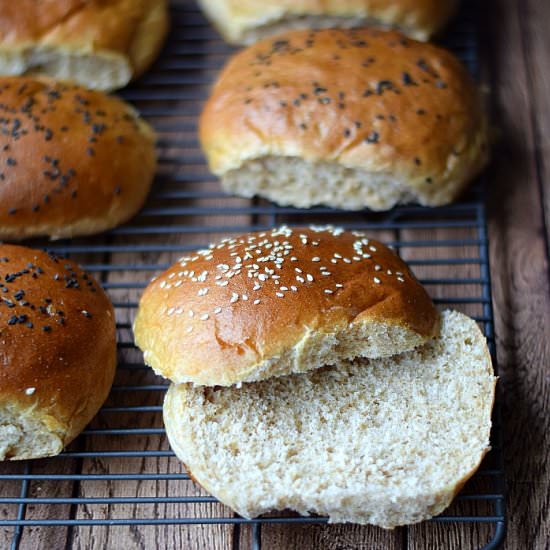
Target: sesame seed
<point>309,277</point>
<point>284,288</point>
<point>300,279</point>
<point>30,391</point>
<point>328,291</point>
<point>244,297</point>
<point>217,310</point>
<point>293,288</point>
<point>204,317</point>
<point>326,273</point>
<point>279,294</point>
<point>377,267</point>
<point>234,298</point>
<point>316,259</point>
<point>298,270</point>
<point>400,279</point>
<point>333,261</point>
<point>171,310</point>
<point>339,285</point>
<point>256,302</point>
<point>191,313</point>
<point>377,280</point>
<point>202,292</point>
<point>189,329</point>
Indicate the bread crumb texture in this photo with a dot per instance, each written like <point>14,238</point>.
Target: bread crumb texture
<point>387,441</point>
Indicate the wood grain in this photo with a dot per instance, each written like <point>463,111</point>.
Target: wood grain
<point>520,262</point>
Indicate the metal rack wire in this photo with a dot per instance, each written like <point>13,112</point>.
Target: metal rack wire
<point>107,475</point>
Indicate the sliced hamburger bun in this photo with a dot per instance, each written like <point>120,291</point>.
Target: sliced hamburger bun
<point>72,161</point>
<point>345,118</point>
<point>382,441</point>
<point>247,21</point>
<point>99,44</point>
<point>57,352</point>
<point>278,302</point>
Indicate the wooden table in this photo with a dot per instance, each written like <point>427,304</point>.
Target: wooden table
<point>516,61</point>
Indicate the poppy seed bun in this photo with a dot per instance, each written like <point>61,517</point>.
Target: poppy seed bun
<point>383,441</point>
<point>57,352</point>
<point>72,161</point>
<point>97,43</point>
<point>247,21</point>
<point>346,118</point>
<point>279,302</point>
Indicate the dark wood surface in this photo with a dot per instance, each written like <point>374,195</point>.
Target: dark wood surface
<point>516,60</point>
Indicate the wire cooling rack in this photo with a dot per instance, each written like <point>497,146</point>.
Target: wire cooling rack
<point>119,485</point>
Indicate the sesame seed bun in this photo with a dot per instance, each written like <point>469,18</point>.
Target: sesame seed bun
<point>347,118</point>
<point>280,302</point>
<point>101,45</point>
<point>246,21</point>
<point>72,161</point>
<point>57,352</point>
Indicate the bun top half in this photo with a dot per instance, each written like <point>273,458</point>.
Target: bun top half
<point>281,301</point>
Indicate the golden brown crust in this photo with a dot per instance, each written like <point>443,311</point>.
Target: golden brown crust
<point>369,100</point>
<point>418,18</point>
<point>222,315</point>
<point>132,30</point>
<point>57,340</point>
<point>72,161</point>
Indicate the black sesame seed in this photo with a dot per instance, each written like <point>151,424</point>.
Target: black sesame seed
<point>373,137</point>
<point>11,161</point>
<point>46,328</point>
<point>407,80</point>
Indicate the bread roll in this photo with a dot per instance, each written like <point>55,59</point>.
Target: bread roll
<point>72,161</point>
<point>278,302</point>
<point>345,118</point>
<point>57,352</point>
<point>246,21</point>
<point>383,441</point>
<point>101,44</point>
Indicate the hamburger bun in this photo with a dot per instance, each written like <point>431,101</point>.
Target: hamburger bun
<point>72,161</point>
<point>345,118</point>
<point>57,352</point>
